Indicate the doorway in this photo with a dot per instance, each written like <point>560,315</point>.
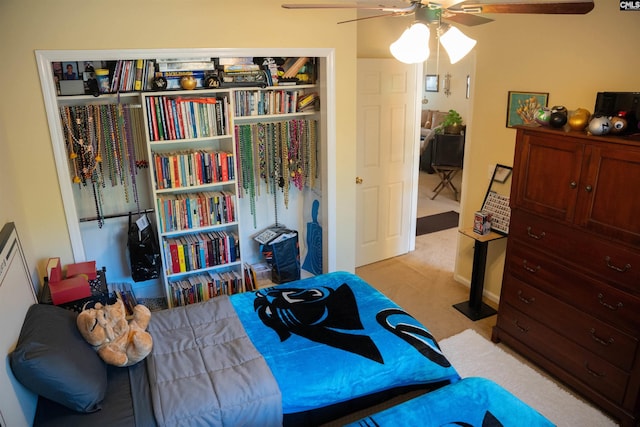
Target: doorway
<point>461,76</point>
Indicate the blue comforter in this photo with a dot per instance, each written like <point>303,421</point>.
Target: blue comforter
<point>332,338</point>
<point>476,402</point>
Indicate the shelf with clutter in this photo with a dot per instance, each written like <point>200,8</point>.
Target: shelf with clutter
<point>186,152</point>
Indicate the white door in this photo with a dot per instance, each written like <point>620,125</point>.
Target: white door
<point>387,147</point>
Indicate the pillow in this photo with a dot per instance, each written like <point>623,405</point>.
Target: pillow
<point>426,118</point>
<point>438,118</point>
<point>53,360</point>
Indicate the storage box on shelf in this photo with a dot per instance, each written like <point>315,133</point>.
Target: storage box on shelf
<point>570,293</point>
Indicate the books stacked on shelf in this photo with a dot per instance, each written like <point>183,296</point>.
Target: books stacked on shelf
<point>186,64</point>
<point>192,168</point>
<point>124,292</point>
<point>199,251</point>
<point>202,287</point>
<point>258,103</point>
<point>174,69</point>
<point>172,118</point>
<point>307,102</point>
<point>188,211</point>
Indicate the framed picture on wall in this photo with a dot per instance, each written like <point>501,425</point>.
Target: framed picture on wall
<point>431,83</point>
<point>523,106</point>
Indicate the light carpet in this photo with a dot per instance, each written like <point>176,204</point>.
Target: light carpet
<point>474,356</point>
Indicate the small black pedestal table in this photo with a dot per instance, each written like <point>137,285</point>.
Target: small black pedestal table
<point>475,309</point>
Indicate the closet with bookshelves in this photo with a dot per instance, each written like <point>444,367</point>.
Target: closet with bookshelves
<point>225,163</point>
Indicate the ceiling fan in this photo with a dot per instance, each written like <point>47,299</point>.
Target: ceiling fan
<point>459,11</point>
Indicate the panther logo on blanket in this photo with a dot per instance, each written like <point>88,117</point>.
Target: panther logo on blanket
<point>412,334</point>
<point>318,314</point>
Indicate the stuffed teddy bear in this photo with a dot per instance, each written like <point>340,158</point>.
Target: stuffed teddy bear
<point>118,342</point>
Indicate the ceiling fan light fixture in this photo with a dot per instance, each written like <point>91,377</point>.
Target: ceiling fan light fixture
<point>456,43</point>
<point>413,45</point>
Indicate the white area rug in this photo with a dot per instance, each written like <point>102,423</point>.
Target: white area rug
<point>474,356</point>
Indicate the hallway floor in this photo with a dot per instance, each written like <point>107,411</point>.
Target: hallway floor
<point>422,281</point>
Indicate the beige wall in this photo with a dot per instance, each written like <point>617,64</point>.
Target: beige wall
<point>571,57</point>
<point>27,158</point>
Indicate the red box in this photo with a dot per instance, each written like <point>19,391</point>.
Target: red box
<point>87,268</point>
<point>70,289</point>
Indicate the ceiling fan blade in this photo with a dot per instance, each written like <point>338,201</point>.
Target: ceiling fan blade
<point>569,8</point>
<point>386,15</point>
<point>468,19</point>
<point>442,4</point>
<point>396,9</point>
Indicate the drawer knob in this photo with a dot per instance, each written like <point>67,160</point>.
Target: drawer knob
<point>599,340</point>
<point>535,236</point>
<point>613,267</point>
<point>588,188</point>
<point>573,184</point>
<point>591,371</point>
<point>525,299</point>
<point>609,306</point>
<point>525,265</point>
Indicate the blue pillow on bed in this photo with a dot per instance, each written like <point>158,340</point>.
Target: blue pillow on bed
<point>53,360</point>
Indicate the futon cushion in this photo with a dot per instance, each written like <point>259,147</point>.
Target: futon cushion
<point>53,360</point>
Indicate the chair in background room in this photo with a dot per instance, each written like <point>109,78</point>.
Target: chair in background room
<point>447,159</point>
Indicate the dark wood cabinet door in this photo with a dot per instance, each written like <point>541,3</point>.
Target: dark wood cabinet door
<point>547,171</point>
<point>609,192</point>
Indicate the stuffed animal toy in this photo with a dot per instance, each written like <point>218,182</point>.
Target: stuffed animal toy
<point>118,342</point>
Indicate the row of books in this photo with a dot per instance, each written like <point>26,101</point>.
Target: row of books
<point>192,168</point>
<point>194,210</point>
<point>171,118</point>
<point>124,292</point>
<point>201,250</point>
<point>131,74</point>
<point>258,103</point>
<point>202,287</point>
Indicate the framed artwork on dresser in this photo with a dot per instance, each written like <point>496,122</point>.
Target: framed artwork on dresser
<point>523,106</point>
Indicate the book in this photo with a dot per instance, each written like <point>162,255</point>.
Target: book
<point>138,74</point>
<point>186,66</point>
<point>230,68</point>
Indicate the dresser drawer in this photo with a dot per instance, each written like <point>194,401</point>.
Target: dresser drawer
<point>589,369</point>
<point>617,264</point>
<point>587,294</point>
<point>596,336</point>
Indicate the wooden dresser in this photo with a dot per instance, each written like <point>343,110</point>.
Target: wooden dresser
<point>570,299</point>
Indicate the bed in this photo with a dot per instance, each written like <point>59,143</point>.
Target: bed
<point>473,401</point>
<point>300,353</point>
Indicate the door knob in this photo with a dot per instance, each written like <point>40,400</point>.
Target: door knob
<point>358,180</point>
